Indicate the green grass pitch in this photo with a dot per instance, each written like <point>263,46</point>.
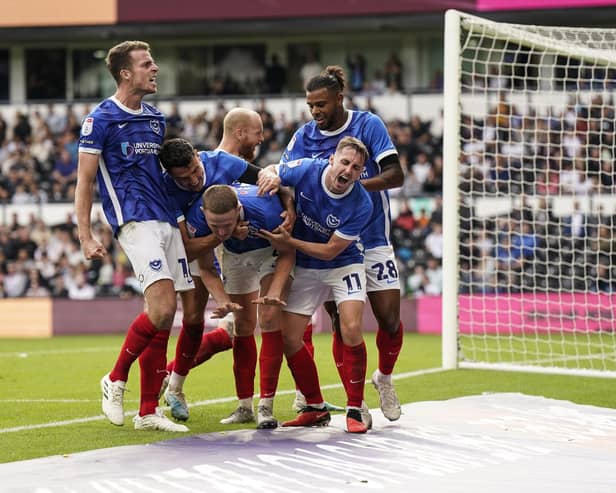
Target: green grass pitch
<point>50,401</point>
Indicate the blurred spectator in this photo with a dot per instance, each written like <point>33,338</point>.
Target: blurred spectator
<point>80,289</point>
<point>311,68</point>
<point>175,123</point>
<point>3,129</point>
<point>22,129</point>
<point>36,289</point>
<point>434,241</point>
<point>433,277</point>
<point>356,72</point>
<point>56,121</point>
<point>421,167</point>
<point>405,220</point>
<point>416,282</point>
<point>393,73</point>
<point>64,171</point>
<point>15,280</point>
<point>378,84</point>
<point>59,289</point>
<point>575,225</point>
<point>104,282</point>
<point>275,76</point>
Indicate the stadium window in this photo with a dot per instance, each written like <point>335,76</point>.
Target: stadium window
<point>46,73</point>
<point>91,79</point>
<point>240,69</point>
<point>301,57</point>
<point>4,75</point>
<point>192,64</point>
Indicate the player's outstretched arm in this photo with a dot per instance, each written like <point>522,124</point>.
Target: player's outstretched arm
<point>212,282</point>
<point>86,174</point>
<point>280,278</point>
<point>281,239</point>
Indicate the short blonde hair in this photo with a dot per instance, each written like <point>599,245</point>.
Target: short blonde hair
<point>355,144</point>
<point>220,199</point>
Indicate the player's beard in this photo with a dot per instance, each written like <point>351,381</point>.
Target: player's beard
<point>249,153</point>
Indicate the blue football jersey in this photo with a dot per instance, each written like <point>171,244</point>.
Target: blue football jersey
<point>219,167</point>
<point>129,176</point>
<point>261,212</point>
<point>320,213</point>
<point>311,142</point>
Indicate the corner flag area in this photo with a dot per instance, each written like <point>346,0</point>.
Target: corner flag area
<point>491,442</point>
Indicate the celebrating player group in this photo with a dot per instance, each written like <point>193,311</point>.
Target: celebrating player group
<point>270,245</point>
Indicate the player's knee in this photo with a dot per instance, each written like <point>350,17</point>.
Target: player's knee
<point>192,317</point>
<point>290,344</point>
<point>351,332</point>
<point>162,320</point>
<point>389,322</point>
<point>162,315</point>
<point>268,318</point>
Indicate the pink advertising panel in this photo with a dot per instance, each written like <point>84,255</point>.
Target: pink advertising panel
<point>429,317</point>
<point>488,5</point>
<point>540,312</point>
<point>517,313</point>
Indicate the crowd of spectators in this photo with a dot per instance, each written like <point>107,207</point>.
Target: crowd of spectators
<point>38,161</point>
<point>528,248</point>
<point>543,153</point>
<point>41,260</point>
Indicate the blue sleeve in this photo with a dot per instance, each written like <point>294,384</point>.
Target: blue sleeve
<point>293,172</point>
<point>195,222</point>
<point>358,221</point>
<point>272,217</point>
<point>233,166</point>
<point>378,140</point>
<point>295,147</point>
<point>92,135</point>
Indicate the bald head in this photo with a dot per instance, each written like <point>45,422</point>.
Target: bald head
<point>239,117</point>
<point>242,132</point>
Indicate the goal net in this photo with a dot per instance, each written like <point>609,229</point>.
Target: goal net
<point>529,197</point>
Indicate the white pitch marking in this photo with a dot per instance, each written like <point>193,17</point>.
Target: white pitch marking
<point>44,352</point>
<point>198,404</point>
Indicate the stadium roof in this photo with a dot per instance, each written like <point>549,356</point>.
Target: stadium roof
<point>41,20</point>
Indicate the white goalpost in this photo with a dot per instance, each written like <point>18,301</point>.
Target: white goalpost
<point>529,197</point>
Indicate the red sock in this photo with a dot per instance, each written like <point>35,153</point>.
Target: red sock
<point>338,352</point>
<point>139,335</point>
<point>270,361</point>
<point>213,342</point>
<point>244,365</point>
<point>304,372</point>
<point>153,362</point>
<point>308,338</point>
<point>355,362</point>
<point>389,346</point>
<point>187,347</point>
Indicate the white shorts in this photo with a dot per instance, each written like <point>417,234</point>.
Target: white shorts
<point>242,272</point>
<point>156,252</point>
<point>195,270</point>
<point>312,287</point>
<point>381,269</point>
